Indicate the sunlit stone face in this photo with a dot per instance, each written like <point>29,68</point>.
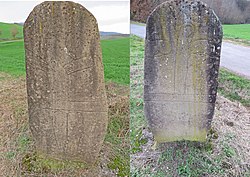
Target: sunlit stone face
<point>65,80</point>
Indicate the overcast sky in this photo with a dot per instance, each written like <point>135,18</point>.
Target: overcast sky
<point>111,15</point>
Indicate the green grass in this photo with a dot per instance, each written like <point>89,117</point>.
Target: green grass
<point>137,120</point>
<point>194,159</point>
<point>5,28</point>
<point>39,164</point>
<point>12,58</point>
<point>234,87</point>
<point>115,59</point>
<point>117,136</point>
<point>241,31</point>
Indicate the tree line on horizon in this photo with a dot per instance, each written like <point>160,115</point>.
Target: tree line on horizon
<point>13,31</point>
<point>228,11</point>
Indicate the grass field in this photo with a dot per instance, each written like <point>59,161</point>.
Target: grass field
<point>234,87</point>
<point>12,58</point>
<point>115,56</point>
<point>115,59</point>
<point>221,155</point>
<point>5,29</point>
<point>241,31</point>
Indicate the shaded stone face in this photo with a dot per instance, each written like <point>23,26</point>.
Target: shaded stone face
<point>182,56</point>
<point>65,81</point>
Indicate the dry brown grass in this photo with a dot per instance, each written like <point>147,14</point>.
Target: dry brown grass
<point>232,122</point>
<point>228,148</point>
<point>17,152</point>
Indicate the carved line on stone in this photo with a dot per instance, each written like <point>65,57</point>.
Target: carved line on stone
<point>70,54</point>
<point>82,69</point>
<point>164,54</point>
<point>163,40</point>
<point>176,101</point>
<point>176,94</point>
<point>73,59</point>
<point>55,100</point>
<point>67,135</point>
<point>69,110</point>
<point>79,115</point>
<point>53,127</point>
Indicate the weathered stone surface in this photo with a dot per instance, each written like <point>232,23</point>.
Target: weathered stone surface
<point>182,56</point>
<point>65,81</point>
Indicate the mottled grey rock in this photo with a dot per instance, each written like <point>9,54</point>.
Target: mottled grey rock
<point>182,57</point>
<point>65,81</point>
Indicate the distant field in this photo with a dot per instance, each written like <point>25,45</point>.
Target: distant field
<point>5,28</point>
<point>241,31</point>
<point>115,59</point>
<point>12,58</point>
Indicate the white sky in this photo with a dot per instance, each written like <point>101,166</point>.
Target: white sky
<point>112,15</point>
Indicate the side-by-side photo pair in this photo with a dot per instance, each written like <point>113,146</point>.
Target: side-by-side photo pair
<point>125,88</point>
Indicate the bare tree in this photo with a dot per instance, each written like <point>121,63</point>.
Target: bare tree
<point>14,32</point>
<point>229,11</point>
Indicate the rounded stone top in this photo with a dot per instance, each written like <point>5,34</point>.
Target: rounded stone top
<point>60,7</point>
<point>181,12</point>
<point>183,6</point>
<point>187,2</point>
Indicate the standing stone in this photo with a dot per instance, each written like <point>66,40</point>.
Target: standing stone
<point>65,81</point>
<point>182,57</point>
